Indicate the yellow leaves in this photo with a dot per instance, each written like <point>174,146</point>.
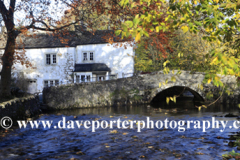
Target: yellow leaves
<point>199,108</point>
<point>165,63</point>
<point>214,60</point>
<point>217,78</point>
<point>184,28</point>
<point>180,54</point>
<point>208,29</point>
<point>171,98</point>
<point>195,2</point>
<point>166,81</point>
<point>114,131</point>
<point>174,99</point>
<point>173,79</point>
<point>138,37</point>
<point>160,84</point>
<point>204,106</point>
<point>209,81</point>
<point>182,19</point>
<point>167,100</point>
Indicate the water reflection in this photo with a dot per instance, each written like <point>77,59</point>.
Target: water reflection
<point>181,107</point>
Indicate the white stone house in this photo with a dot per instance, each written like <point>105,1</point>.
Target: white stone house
<point>85,57</point>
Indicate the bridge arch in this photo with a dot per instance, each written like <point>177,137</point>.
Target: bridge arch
<point>160,96</point>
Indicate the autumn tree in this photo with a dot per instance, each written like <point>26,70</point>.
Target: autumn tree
<point>188,48</point>
<point>88,14</point>
<point>218,20</point>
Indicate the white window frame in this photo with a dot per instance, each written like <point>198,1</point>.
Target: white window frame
<point>79,78</point>
<point>88,56</point>
<point>51,58</point>
<point>49,82</point>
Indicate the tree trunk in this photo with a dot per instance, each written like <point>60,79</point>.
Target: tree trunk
<point>7,61</point>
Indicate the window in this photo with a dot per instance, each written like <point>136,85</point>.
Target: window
<point>49,83</point>
<point>84,56</point>
<point>77,78</point>
<point>88,78</point>
<point>48,58</point>
<point>45,83</point>
<point>112,76</point>
<point>91,56</point>
<point>51,59</point>
<point>54,57</point>
<point>88,56</point>
<point>56,82</point>
<point>101,78</point>
<point>83,78</point>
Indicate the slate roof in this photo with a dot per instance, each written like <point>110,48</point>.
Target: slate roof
<point>74,38</point>
<point>88,67</point>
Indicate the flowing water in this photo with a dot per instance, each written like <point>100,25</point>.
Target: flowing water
<point>82,143</point>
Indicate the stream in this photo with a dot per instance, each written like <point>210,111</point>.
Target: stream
<point>157,143</point>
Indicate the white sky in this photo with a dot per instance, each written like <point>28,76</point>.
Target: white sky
<point>55,11</point>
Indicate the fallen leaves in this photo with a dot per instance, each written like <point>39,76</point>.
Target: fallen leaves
<point>80,153</point>
<point>114,131</point>
<point>142,156</point>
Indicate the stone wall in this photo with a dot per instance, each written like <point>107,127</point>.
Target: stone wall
<point>20,108</point>
<point>137,89</point>
<point>95,94</point>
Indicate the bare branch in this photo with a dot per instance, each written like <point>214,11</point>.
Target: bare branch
<point>48,28</point>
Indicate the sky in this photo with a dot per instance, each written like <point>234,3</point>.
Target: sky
<point>53,10</point>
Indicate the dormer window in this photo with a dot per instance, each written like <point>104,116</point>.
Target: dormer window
<point>88,56</point>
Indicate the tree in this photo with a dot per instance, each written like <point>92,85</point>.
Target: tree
<point>188,48</point>
<point>217,19</point>
<point>148,54</point>
<point>87,14</point>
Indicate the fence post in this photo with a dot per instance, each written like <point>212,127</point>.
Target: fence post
<point>122,74</point>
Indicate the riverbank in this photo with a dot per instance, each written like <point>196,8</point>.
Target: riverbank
<point>20,108</point>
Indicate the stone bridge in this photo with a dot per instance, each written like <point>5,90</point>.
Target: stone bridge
<point>137,89</point>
